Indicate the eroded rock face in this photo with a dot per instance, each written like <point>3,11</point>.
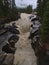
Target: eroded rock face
<point>8,34</point>
<point>10,46</point>
<point>15,31</point>
<point>12,28</point>
<point>13,39</point>
<point>6,59</point>
<point>8,49</point>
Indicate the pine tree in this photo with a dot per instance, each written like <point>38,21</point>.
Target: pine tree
<point>29,9</point>
<point>39,8</point>
<point>8,9</point>
<point>43,12</point>
<point>1,8</point>
<point>45,25</point>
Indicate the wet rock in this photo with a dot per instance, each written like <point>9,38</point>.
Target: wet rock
<point>2,31</point>
<point>35,41</point>
<point>15,31</point>
<point>9,59</point>
<point>12,29</point>
<point>33,45</point>
<point>6,59</point>
<point>13,38</point>
<point>35,19</point>
<point>33,33</point>
<point>14,25</point>
<point>8,49</point>
<point>2,57</point>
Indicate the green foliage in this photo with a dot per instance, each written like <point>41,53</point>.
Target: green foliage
<point>39,8</point>
<point>8,9</point>
<point>28,9</point>
<point>43,12</point>
<point>45,25</point>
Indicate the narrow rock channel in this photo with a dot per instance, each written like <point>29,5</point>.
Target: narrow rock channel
<point>24,54</point>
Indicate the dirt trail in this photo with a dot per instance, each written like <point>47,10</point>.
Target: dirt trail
<point>24,54</point>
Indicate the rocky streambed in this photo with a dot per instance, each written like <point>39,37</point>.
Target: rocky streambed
<point>24,54</point>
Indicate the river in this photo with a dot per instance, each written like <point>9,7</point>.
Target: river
<point>24,54</point>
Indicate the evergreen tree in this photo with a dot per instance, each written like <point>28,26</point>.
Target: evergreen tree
<point>1,8</point>
<point>43,12</point>
<point>39,7</point>
<point>45,25</point>
<point>8,9</point>
<point>29,9</point>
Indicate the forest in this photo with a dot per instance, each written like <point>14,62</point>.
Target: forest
<point>43,12</point>
<point>10,12</point>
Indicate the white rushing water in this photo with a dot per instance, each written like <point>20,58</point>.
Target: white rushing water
<point>24,54</point>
